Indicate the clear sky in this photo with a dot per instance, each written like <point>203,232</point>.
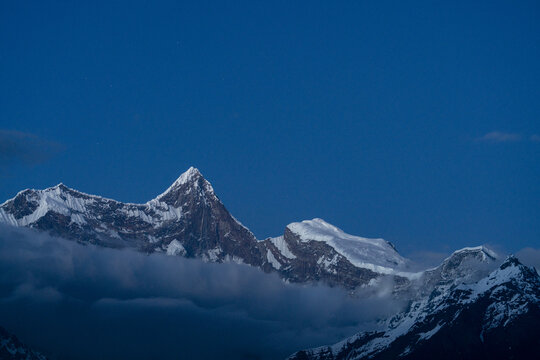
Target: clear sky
<point>418,122</point>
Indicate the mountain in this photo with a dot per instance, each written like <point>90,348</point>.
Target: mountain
<point>470,306</point>
<point>314,250</point>
<point>188,219</point>
<point>497,317</point>
<point>466,265</point>
<point>12,349</point>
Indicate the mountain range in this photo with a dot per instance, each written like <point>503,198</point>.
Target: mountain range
<point>493,318</point>
<point>468,307</point>
<point>188,219</point>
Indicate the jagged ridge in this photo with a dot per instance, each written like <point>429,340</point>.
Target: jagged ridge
<point>496,317</point>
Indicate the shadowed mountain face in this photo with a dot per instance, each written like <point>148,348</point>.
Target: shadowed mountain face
<point>497,317</point>
<point>12,348</point>
<point>189,220</point>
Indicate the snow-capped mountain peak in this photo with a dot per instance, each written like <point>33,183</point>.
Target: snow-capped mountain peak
<point>466,266</point>
<point>377,255</point>
<point>511,270</point>
<point>191,175</point>
<point>191,184</point>
<point>486,253</point>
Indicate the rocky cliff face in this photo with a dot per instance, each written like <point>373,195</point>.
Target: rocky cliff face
<point>314,250</point>
<point>497,317</point>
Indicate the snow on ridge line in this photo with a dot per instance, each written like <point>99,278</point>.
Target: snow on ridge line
<point>242,225</point>
<point>481,248</point>
<point>319,230</point>
<point>376,255</point>
<point>74,206</point>
<point>192,171</point>
<point>184,178</point>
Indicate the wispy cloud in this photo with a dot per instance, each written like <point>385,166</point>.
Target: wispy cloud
<point>499,136</point>
<point>530,256</point>
<point>27,148</point>
<point>535,138</point>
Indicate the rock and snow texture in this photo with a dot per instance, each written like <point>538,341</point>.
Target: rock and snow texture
<point>497,317</point>
<point>466,265</point>
<point>313,251</point>
<point>187,219</point>
<point>12,349</point>
<point>377,255</point>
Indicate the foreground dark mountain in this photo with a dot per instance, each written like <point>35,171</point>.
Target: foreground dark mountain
<point>497,317</point>
<point>12,349</point>
<point>189,220</point>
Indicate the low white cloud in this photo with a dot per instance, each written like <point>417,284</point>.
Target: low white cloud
<point>83,302</point>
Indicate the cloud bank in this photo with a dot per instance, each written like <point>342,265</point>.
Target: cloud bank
<point>82,302</point>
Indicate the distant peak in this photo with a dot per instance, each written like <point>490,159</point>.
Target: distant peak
<point>190,179</point>
<point>190,174</point>
<point>315,223</point>
<point>478,249</point>
<point>511,260</point>
<point>60,186</point>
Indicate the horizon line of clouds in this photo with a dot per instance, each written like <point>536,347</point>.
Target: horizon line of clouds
<point>506,137</point>
<point>142,306</point>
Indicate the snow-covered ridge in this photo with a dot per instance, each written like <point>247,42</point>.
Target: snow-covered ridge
<point>377,255</point>
<point>486,252</point>
<point>510,291</point>
<point>76,204</point>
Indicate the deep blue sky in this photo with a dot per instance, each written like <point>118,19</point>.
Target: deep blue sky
<point>376,116</point>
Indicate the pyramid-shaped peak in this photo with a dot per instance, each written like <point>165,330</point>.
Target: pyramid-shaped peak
<point>191,174</point>
<point>189,180</point>
<point>511,260</point>
<point>512,270</point>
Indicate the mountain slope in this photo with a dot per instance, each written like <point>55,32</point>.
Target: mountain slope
<point>187,219</point>
<point>12,349</point>
<point>497,317</point>
<point>314,250</point>
<point>466,265</point>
